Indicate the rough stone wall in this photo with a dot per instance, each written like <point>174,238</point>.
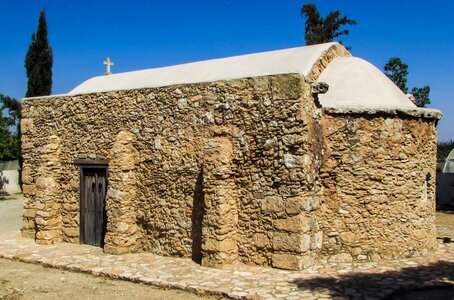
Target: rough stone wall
<point>378,178</point>
<point>166,179</point>
<point>245,170</point>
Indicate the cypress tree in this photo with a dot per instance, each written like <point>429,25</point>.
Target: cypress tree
<point>38,61</point>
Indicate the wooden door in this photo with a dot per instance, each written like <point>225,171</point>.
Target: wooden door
<point>92,207</point>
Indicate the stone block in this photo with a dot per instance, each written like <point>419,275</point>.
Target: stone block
<point>293,139</point>
<point>226,245</point>
<point>29,189</point>
<point>362,257</point>
<point>113,249</point>
<point>27,145</point>
<point>310,204</point>
<point>48,236</point>
<point>26,125</point>
<point>317,240</point>
<point>71,232</point>
<point>295,224</point>
<point>72,240</point>
<point>51,148</point>
<point>217,262</point>
<point>71,207</point>
<point>122,227</point>
<point>348,238</point>
<point>286,87</point>
<point>47,214</point>
<point>421,234</point>
<point>292,261</point>
<point>374,257</point>
<point>291,242</point>
<point>294,205</point>
<point>44,222</point>
<point>305,243</point>
<point>29,213</point>
<point>39,205</point>
<point>291,161</point>
<point>28,233</point>
<point>129,241</point>
<point>28,224</point>
<point>341,258</point>
<point>272,204</point>
<point>74,184</point>
<point>26,176</point>
<point>261,240</point>
<point>45,183</point>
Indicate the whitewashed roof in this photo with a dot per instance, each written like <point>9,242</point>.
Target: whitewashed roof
<point>293,60</point>
<point>354,82</point>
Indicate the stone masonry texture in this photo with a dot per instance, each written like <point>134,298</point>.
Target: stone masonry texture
<point>247,170</point>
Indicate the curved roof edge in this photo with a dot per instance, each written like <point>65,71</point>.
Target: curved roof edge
<point>427,113</point>
<point>450,155</point>
<point>355,82</point>
<point>292,60</point>
<point>449,163</point>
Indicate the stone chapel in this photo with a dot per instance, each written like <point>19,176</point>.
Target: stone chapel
<point>281,159</point>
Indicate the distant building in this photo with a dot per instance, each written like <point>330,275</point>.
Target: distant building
<point>445,184</point>
<point>449,163</point>
<point>9,177</point>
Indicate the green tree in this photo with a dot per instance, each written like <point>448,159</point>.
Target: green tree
<point>9,117</point>
<point>39,61</point>
<point>421,95</point>
<point>320,30</point>
<point>397,71</point>
<point>443,150</point>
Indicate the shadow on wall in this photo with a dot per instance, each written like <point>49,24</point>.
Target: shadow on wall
<point>198,211</point>
<point>388,285</point>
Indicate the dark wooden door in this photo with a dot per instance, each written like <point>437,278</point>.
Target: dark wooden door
<point>92,206</point>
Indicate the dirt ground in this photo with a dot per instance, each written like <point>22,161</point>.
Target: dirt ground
<point>11,209</point>
<point>445,226</point>
<point>27,281</point>
<point>445,218</point>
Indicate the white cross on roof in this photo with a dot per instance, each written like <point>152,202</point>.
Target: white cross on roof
<point>108,63</point>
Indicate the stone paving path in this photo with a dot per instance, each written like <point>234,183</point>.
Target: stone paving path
<point>339,281</point>
<point>369,280</point>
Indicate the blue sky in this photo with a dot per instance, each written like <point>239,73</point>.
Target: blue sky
<point>146,34</point>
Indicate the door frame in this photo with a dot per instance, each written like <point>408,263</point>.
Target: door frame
<point>85,164</point>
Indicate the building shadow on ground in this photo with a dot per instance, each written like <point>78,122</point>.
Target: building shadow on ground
<point>446,211</point>
<point>7,197</point>
<point>420,280</point>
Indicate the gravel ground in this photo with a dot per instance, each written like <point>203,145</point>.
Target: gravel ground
<point>11,209</point>
<point>28,281</point>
